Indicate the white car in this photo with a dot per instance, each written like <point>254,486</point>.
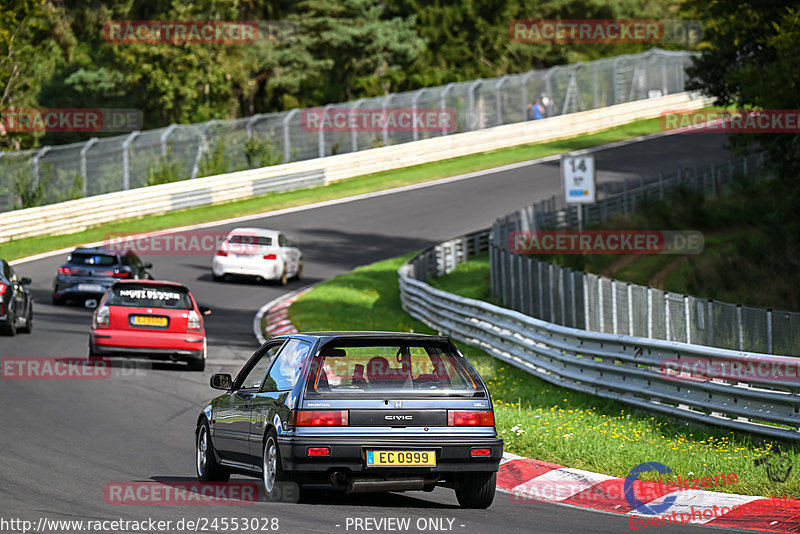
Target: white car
<point>265,254</point>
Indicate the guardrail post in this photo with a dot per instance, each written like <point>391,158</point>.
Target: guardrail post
<point>614,326</point>
<point>126,160</point>
<point>688,315</point>
<point>649,312</point>
<point>83,170</point>
<point>769,331</point>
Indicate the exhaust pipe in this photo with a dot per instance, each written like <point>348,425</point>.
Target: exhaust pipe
<point>174,357</point>
<point>367,485</point>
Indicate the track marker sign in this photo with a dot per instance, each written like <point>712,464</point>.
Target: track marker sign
<point>578,173</point>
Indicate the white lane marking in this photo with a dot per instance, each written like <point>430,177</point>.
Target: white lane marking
<point>353,198</point>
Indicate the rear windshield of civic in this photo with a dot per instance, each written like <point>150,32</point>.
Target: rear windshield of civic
<point>86,258</point>
<point>150,296</point>
<point>369,370</point>
<point>250,240</point>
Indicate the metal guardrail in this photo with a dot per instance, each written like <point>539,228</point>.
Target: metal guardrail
<point>58,173</point>
<point>591,302</point>
<point>620,367</point>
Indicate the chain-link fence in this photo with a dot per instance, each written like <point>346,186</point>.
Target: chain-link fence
<point>177,152</point>
<point>573,298</point>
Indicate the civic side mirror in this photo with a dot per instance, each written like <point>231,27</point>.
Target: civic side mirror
<point>25,281</point>
<point>148,265</point>
<point>205,310</point>
<point>221,381</point>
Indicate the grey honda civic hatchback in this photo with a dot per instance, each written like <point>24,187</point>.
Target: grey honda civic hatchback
<point>361,411</point>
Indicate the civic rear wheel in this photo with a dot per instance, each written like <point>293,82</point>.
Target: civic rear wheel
<point>278,486</point>
<point>476,490</point>
<point>208,470</point>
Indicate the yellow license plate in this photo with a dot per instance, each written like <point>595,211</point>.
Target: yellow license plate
<point>147,320</point>
<point>401,458</point>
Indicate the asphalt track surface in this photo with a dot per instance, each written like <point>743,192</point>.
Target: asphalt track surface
<point>63,441</point>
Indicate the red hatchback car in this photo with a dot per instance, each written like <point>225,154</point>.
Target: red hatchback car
<point>150,319</point>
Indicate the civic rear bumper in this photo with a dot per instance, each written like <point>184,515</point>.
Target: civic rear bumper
<point>349,454</point>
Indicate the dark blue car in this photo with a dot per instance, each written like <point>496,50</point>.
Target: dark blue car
<point>90,271</point>
<point>361,411</point>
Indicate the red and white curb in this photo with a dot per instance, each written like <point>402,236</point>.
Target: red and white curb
<point>528,481</point>
<point>277,319</point>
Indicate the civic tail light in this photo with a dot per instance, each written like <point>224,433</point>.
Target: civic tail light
<point>121,274</point>
<point>193,324</point>
<point>221,253</point>
<point>319,418</point>
<point>319,451</point>
<point>64,270</point>
<point>470,418</point>
<point>102,318</point>
<point>3,288</point>
<point>480,453</point>
<point>270,257</point>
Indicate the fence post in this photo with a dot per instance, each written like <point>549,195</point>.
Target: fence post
<point>512,278</point>
<point>472,120</point>
<point>168,131</point>
<point>614,313</point>
<point>539,290</point>
<point>551,292</point>
<point>529,287</point>
<point>769,331</point>
<point>586,322</point>
<point>84,171</point>
<point>39,155</point>
<point>353,127</point>
<point>202,146</point>
<point>498,100</point>
<point>321,131</point>
<point>126,161</point>
<point>666,316</point>
<point>562,296</point>
<point>596,84</point>
<point>649,312</point>
<point>287,142</point>
<point>740,326</point>
<point>384,107</point>
<point>414,100</point>
<point>600,312</point>
<point>710,322</point>
<point>574,299</point>
<point>688,318</point>
<point>442,102</point>
<point>630,310</point>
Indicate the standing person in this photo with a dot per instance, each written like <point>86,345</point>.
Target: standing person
<point>538,111</point>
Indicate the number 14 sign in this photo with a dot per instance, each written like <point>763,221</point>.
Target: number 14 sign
<point>579,178</point>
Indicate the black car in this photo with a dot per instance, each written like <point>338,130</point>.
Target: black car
<point>16,303</point>
<point>362,411</point>
<point>89,272</point>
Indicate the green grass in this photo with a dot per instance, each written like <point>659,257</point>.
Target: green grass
<point>19,248</point>
<point>536,419</point>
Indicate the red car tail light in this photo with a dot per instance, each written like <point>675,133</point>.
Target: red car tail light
<point>64,270</point>
<point>193,325</point>
<point>470,418</point>
<point>270,257</point>
<point>480,453</point>
<point>319,418</point>
<point>2,310</point>
<point>103,317</point>
<point>121,274</point>
<point>221,253</point>
<point>3,289</point>
<point>319,451</point>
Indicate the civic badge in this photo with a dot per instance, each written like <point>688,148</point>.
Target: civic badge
<point>398,404</point>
